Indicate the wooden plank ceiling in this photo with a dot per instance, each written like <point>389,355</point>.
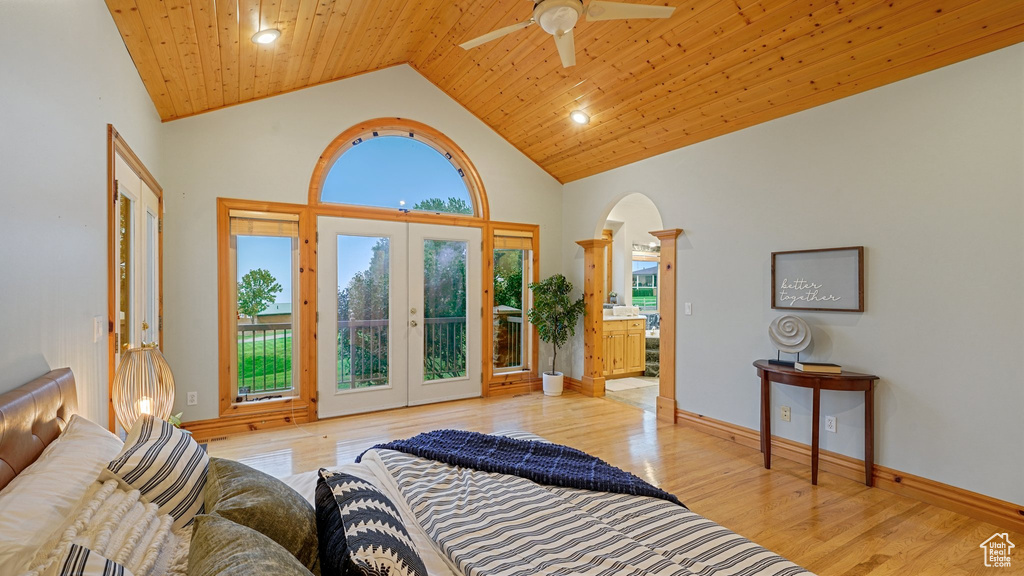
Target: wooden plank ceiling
<point>650,86</point>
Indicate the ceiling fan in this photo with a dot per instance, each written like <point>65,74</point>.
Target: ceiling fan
<point>559,17</point>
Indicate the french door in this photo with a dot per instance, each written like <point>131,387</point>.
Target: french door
<point>137,280</point>
<point>399,317</point>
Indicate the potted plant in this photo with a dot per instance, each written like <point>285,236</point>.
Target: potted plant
<point>554,314</point>
<point>613,298</point>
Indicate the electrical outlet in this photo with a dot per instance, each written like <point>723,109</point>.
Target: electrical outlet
<point>830,424</point>
<point>193,398</point>
<point>785,413</point>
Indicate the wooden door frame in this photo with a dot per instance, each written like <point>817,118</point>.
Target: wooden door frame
<point>116,146</point>
<point>508,382</point>
<point>666,403</point>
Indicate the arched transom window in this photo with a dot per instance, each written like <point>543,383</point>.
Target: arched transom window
<point>399,165</point>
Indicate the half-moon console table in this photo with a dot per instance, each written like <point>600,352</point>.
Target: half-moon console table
<point>847,381</point>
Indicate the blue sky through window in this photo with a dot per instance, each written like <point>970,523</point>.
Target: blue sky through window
<point>384,171</point>
<point>354,253</point>
<point>272,253</point>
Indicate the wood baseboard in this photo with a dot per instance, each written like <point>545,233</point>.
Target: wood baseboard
<point>999,512</point>
<point>206,430</point>
<point>512,388</point>
<point>665,408</point>
<point>592,387</point>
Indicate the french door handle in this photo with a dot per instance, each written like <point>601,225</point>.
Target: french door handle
<point>412,323</point>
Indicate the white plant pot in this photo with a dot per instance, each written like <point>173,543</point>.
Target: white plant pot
<point>553,384</point>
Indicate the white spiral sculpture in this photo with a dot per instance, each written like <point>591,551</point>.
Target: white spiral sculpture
<point>790,334</point>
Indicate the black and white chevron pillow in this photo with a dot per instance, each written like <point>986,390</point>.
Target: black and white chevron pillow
<point>361,531</point>
<point>80,561</point>
<point>165,465</point>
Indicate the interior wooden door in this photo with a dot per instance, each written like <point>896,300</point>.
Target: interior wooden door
<point>137,260</point>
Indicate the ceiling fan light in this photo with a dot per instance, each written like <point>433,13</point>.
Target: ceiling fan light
<point>558,16</point>
<point>267,36</point>
<point>579,117</point>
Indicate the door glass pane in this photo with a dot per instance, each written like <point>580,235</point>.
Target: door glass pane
<point>444,309</point>
<point>364,293</point>
<point>265,328</point>
<point>152,314</point>
<point>508,308</point>
<point>124,257</point>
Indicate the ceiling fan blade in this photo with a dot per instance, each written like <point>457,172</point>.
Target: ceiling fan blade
<point>600,10</point>
<point>566,48</point>
<point>495,35</point>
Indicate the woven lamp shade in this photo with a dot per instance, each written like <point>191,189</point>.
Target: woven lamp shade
<point>143,385</point>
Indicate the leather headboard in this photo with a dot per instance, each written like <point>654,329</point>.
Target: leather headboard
<point>31,417</point>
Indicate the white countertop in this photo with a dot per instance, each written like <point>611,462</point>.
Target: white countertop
<point>608,317</point>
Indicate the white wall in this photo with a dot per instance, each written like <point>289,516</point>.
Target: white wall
<point>928,175</point>
<point>267,150</point>
<point>64,74</point>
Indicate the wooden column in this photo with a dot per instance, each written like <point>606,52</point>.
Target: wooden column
<point>593,321</point>
<point>667,306</point>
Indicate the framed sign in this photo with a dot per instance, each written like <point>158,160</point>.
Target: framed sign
<point>829,279</point>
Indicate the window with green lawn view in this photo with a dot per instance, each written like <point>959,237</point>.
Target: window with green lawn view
<point>645,284</point>
<point>264,252</point>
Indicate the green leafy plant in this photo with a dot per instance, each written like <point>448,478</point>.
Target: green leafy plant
<point>257,290</point>
<point>450,206</point>
<point>554,313</point>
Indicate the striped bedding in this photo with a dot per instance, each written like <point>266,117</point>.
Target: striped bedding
<point>500,525</point>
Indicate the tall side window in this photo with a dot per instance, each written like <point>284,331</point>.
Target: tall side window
<point>264,259</point>
<point>513,269</point>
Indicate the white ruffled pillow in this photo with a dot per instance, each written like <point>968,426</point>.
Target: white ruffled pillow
<point>40,499</point>
<point>121,527</point>
<point>80,561</point>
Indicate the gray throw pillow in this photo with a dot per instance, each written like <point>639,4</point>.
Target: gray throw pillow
<point>254,499</point>
<point>222,548</point>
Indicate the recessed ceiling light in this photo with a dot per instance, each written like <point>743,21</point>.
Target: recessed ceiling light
<point>579,117</point>
<point>266,36</point>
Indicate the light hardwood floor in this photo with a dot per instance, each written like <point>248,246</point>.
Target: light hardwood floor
<point>839,527</point>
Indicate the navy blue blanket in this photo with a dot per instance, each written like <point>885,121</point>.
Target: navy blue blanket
<point>541,462</point>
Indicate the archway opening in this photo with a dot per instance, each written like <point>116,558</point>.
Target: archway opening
<point>632,309</point>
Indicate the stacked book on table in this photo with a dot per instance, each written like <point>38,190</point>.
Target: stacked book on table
<point>821,368</point>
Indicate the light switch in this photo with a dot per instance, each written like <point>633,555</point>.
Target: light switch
<point>97,329</point>
<point>687,309</point>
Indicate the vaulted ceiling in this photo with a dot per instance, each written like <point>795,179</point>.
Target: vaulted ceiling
<point>650,86</point>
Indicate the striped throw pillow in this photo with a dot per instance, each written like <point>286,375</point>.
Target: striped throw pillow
<point>372,539</point>
<point>166,466</point>
<point>80,561</point>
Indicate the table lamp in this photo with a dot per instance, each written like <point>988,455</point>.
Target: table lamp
<point>143,384</point>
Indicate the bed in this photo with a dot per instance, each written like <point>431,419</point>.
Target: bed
<point>457,520</point>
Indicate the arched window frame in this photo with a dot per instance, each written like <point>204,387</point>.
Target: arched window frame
<point>408,129</point>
